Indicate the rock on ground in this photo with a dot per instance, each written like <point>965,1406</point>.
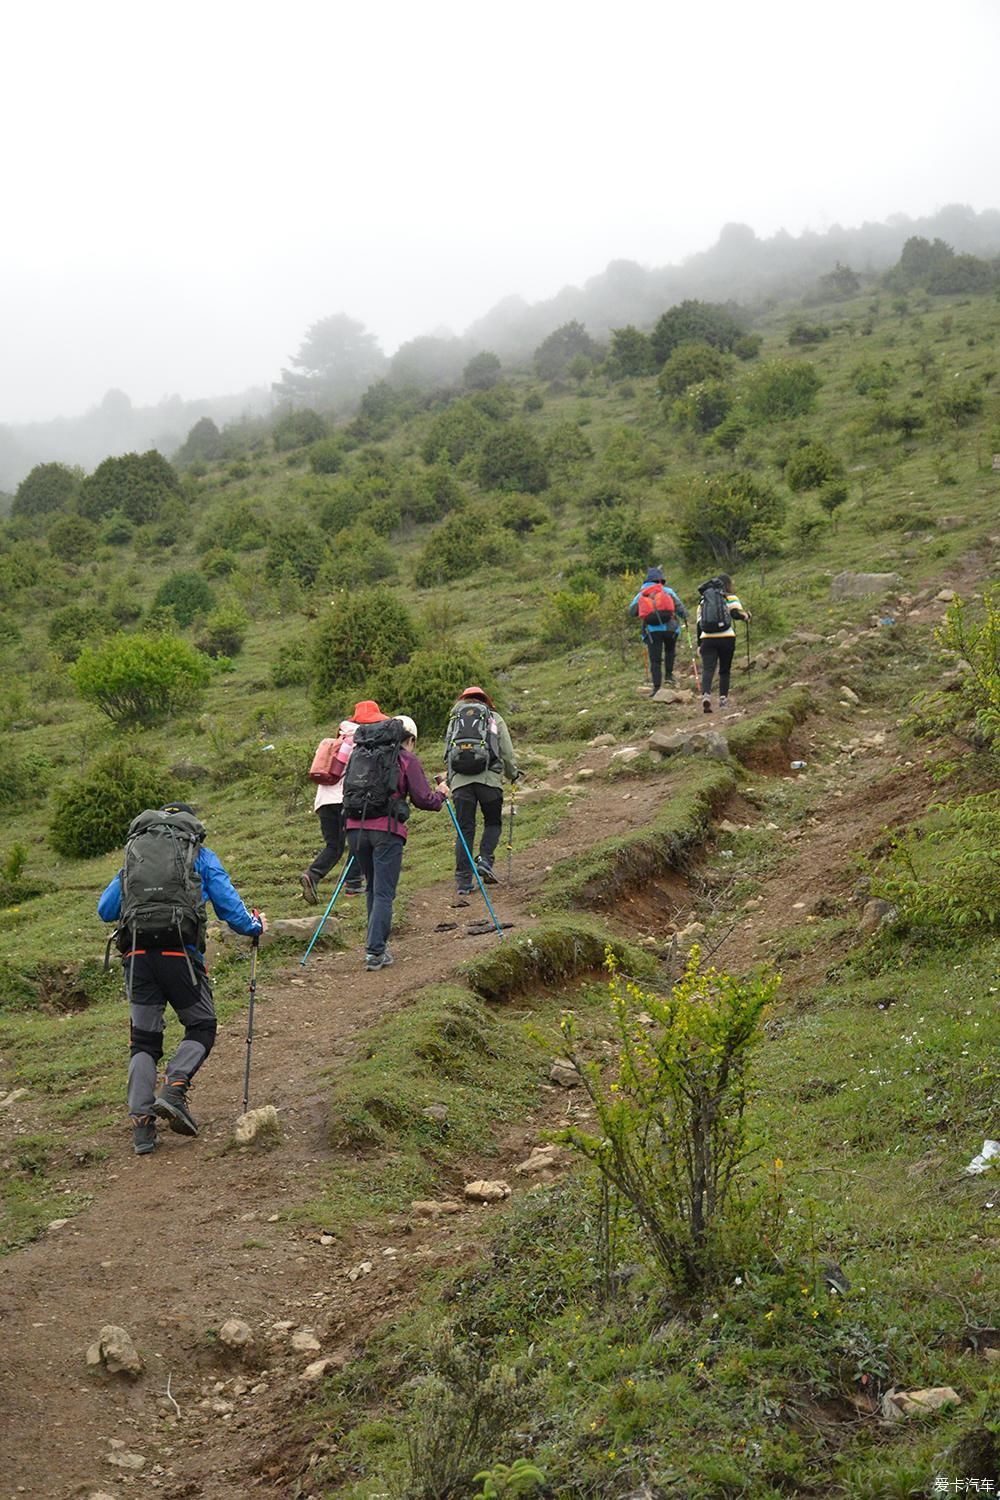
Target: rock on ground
<point>431,1209</point>
<point>860,585</point>
<point>875,913</point>
<point>485,1191</point>
<point>690,742</point>
<point>256,1123</point>
<point>115,1350</point>
<point>564,1074</point>
<point>235,1334</point>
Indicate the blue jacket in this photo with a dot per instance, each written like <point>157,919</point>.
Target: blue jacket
<point>679,619</point>
<point>216,887</point>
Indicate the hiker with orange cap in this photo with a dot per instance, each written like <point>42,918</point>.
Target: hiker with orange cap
<point>478,754</point>
<point>329,765</point>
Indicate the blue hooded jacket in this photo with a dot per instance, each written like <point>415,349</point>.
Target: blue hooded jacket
<point>216,887</point>
<point>655,575</point>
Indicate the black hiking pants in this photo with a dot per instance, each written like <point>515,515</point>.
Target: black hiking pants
<point>465,800</point>
<point>661,644</point>
<point>715,651</point>
<point>379,855</point>
<point>334,830</point>
<point>154,980</point>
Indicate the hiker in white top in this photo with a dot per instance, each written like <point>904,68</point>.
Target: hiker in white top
<point>329,804</point>
<point>717,609</point>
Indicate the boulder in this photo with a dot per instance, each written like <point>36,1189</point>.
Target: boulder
<point>600,740</point>
<point>672,695</point>
<point>485,1191</point>
<point>585,773</point>
<point>876,913</point>
<point>564,1073</point>
<point>257,1123</point>
<point>432,1209</point>
<point>626,753</point>
<point>320,1368</point>
<point>542,1159</point>
<point>235,1334</point>
<point>860,585</point>
<point>305,1342</point>
<point>944,596</point>
<point>848,695</point>
<point>115,1350</point>
<point>899,1404</point>
<point>708,742</point>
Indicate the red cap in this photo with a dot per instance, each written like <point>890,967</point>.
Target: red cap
<point>477,692</point>
<point>367,712</point>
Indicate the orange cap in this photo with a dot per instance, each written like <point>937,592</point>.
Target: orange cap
<point>368,712</point>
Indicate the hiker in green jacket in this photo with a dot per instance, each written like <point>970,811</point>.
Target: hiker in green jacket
<point>478,753</point>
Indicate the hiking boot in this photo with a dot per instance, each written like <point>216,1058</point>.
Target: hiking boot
<point>706,704</point>
<point>143,1134</point>
<point>171,1105</point>
<point>354,887</point>
<point>308,888</point>
<point>486,874</point>
<point>724,701</point>
<point>669,682</point>
<point>381,960</point>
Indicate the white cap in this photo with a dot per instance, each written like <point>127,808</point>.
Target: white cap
<point>408,724</point>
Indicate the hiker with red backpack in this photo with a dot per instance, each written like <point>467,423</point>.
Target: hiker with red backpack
<point>327,770</point>
<point>383,777</point>
<point>478,753</point>
<point>662,616</point>
<point>158,898</point>
<point>718,607</point>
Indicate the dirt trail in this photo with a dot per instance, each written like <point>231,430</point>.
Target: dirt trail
<point>173,1245</point>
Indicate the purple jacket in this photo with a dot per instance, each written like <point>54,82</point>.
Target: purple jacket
<point>414,786</point>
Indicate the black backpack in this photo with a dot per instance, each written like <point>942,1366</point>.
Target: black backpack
<point>371,781</point>
<point>715,615</point>
<point>162,901</point>
<point>470,746</point>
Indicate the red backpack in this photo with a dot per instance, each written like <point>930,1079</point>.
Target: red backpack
<point>656,605</point>
<point>330,760</point>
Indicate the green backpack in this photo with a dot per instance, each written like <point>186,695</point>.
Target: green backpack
<point>162,902</point>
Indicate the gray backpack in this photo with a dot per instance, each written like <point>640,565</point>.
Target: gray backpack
<point>162,903</point>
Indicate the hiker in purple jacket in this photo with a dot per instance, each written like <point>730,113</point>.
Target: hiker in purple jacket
<point>377,845</point>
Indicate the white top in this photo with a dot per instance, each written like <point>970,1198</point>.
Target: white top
<point>327,794</point>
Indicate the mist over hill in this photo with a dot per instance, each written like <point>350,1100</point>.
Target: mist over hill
<point>740,267</point>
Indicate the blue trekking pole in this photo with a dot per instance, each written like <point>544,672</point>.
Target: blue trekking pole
<point>475,872</point>
<point>319,929</point>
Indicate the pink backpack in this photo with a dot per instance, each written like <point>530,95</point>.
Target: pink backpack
<point>330,761</point>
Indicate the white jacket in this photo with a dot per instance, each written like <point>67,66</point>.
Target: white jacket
<point>327,794</point>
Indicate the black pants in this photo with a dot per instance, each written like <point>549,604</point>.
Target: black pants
<point>661,643</point>
<point>334,831</point>
<point>465,800</point>
<point>719,650</point>
<point>380,857</point>
<point>155,980</point>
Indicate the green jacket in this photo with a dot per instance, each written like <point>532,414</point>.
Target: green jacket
<point>506,748</point>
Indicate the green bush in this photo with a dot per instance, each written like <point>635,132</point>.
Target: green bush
<point>91,814</point>
<point>567,449</point>
<point>694,322</point>
<point>482,372</point>
<point>296,429</point>
<point>299,548</point>
<point>217,562</point>
<point>137,484</point>
<point>359,556</point>
<point>618,542</point>
<point>366,632</point>
<point>460,547</point>
<point>872,378</point>
<point>802,332</point>
<point>453,433</point>
<point>237,526</point>
<point>748,346</point>
<point>811,466</point>
<point>704,406</point>
<point>291,666</point>
<point>76,625</point>
<point>944,878</point>
<point>71,538</point>
<point>689,364</point>
<point>511,459</point>
<point>521,513</point>
<point>203,444</point>
<point>726,518</point>
<point>426,687</point>
<point>187,594</point>
<point>556,353</point>
<point>47,488</point>
<point>631,353</point>
<point>571,615</point>
<point>781,388</point>
<point>327,456</point>
<point>224,632</point>
<point>116,530</point>
<point>24,778</point>
<point>140,679</point>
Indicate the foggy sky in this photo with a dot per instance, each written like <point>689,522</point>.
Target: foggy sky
<point>187,187</point>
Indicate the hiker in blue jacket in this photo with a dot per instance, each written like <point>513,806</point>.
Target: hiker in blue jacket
<point>157,975</point>
<point>660,628</point>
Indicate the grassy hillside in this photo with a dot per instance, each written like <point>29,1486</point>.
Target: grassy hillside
<point>480,563</point>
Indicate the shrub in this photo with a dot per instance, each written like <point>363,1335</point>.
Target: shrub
<point>960,401</point>
<point>366,632</point>
<point>224,632</point>
<point>533,401</point>
<point>555,353</point>
<point>237,526</point>
<point>802,332</point>
<point>296,429</point>
<point>18,569</point>
<point>944,880</point>
<point>832,496</point>
<point>187,594</point>
<point>359,556</point>
<point>688,365</point>
<point>726,518</point>
<point>571,615</point>
<point>117,530</point>
<point>459,548</point>
<point>521,513</point>
<point>47,488</point>
<point>693,321</point>
<point>672,1131</point>
<point>482,372</point>
<point>91,814</point>
<point>781,388</point>
<point>140,679</point>
<point>427,686</point>
<point>76,625</point>
<point>71,538</point>
<point>217,562</point>
<point>811,466</point>
<point>873,378</point>
<point>202,444</point>
<point>978,643</point>
<point>618,542</point>
<point>511,459</point>
<point>453,433</point>
<point>567,449</point>
<point>704,406</point>
<point>631,353</point>
<point>748,346</point>
<point>327,456</point>
<point>297,547</point>
<point>137,484</point>
<point>24,778</point>
<point>291,666</point>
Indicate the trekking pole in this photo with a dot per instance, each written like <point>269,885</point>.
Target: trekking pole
<point>749,662</point>
<point>319,929</point>
<point>694,664</point>
<point>253,993</point>
<point>510,830</point>
<point>475,872</point>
